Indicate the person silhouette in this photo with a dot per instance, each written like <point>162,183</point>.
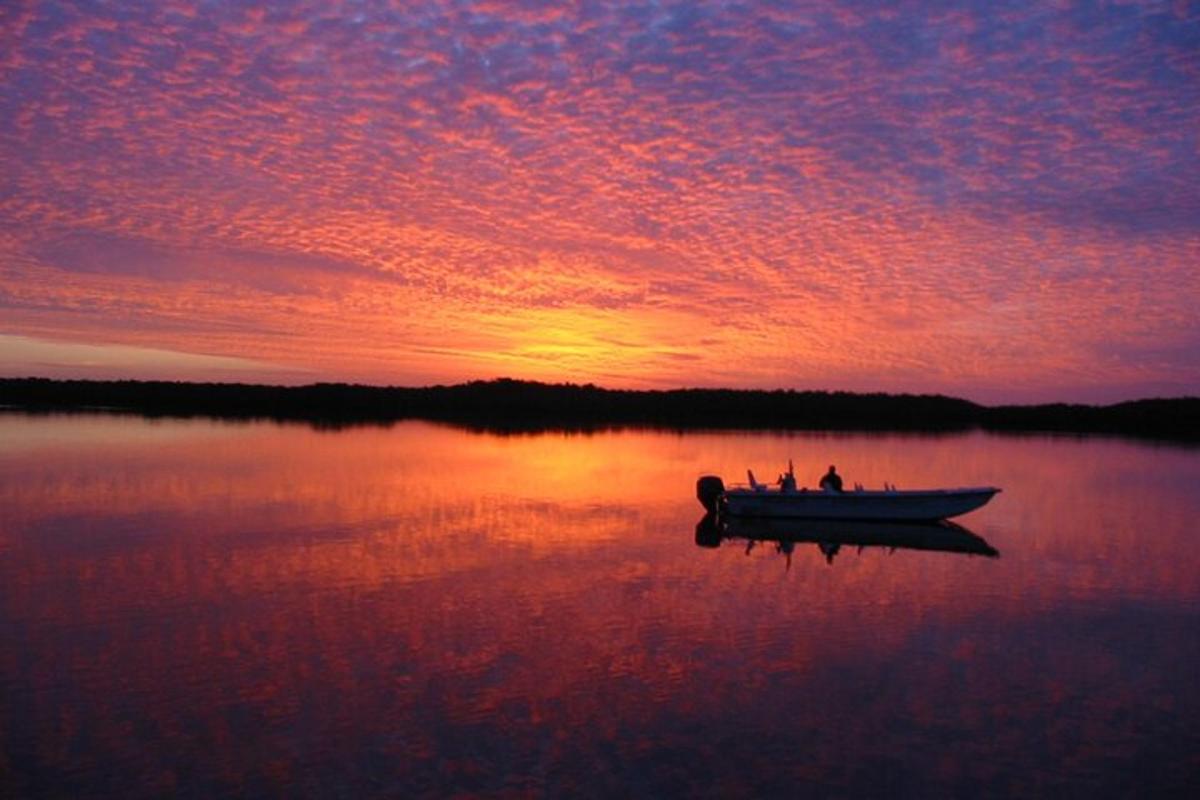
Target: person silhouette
<point>831,481</point>
<point>787,480</point>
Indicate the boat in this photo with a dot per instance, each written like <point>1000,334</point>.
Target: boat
<point>888,504</point>
<point>830,535</point>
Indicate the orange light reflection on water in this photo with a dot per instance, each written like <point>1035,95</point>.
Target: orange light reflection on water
<point>397,587</point>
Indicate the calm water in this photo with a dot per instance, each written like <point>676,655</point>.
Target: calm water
<point>197,608</point>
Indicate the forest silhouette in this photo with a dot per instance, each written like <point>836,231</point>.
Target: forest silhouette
<point>514,405</point>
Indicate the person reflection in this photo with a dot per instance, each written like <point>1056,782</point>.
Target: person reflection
<point>829,549</point>
<point>786,546</point>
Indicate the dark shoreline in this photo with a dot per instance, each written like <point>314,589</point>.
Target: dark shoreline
<point>509,405</point>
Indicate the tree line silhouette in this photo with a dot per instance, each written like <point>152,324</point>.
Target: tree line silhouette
<point>507,404</point>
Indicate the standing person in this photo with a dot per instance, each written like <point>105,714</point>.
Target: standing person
<point>831,482</point>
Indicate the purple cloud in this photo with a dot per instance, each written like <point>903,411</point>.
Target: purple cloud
<point>919,184</point>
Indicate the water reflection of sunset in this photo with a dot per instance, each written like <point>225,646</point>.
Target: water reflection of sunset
<point>264,606</point>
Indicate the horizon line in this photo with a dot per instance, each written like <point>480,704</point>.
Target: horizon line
<point>594,387</point>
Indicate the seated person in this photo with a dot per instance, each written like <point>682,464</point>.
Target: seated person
<point>831,482</point>
<point>787,481</point>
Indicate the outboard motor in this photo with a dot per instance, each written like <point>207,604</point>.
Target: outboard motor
<point>709,490</point>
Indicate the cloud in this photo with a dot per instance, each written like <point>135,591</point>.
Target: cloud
<point>75,360</point>
<point>898,189</point>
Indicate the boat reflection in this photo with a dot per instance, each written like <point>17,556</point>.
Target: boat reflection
<point>830,536</point>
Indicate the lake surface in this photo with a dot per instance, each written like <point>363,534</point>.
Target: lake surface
<point>199,608</point>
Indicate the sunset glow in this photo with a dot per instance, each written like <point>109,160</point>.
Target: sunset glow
<point>423,607</point>
<point>998,200</point>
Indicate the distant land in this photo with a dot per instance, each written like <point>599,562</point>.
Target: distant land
<point>512,405</point>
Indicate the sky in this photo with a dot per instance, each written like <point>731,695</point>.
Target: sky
<point>995,200</point>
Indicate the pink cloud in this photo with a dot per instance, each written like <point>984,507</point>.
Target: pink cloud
<point>954,202</point>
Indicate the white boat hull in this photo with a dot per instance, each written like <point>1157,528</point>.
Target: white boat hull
<point>920,504</point>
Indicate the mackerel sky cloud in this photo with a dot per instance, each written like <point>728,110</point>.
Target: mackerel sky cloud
<point>999,200</point>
